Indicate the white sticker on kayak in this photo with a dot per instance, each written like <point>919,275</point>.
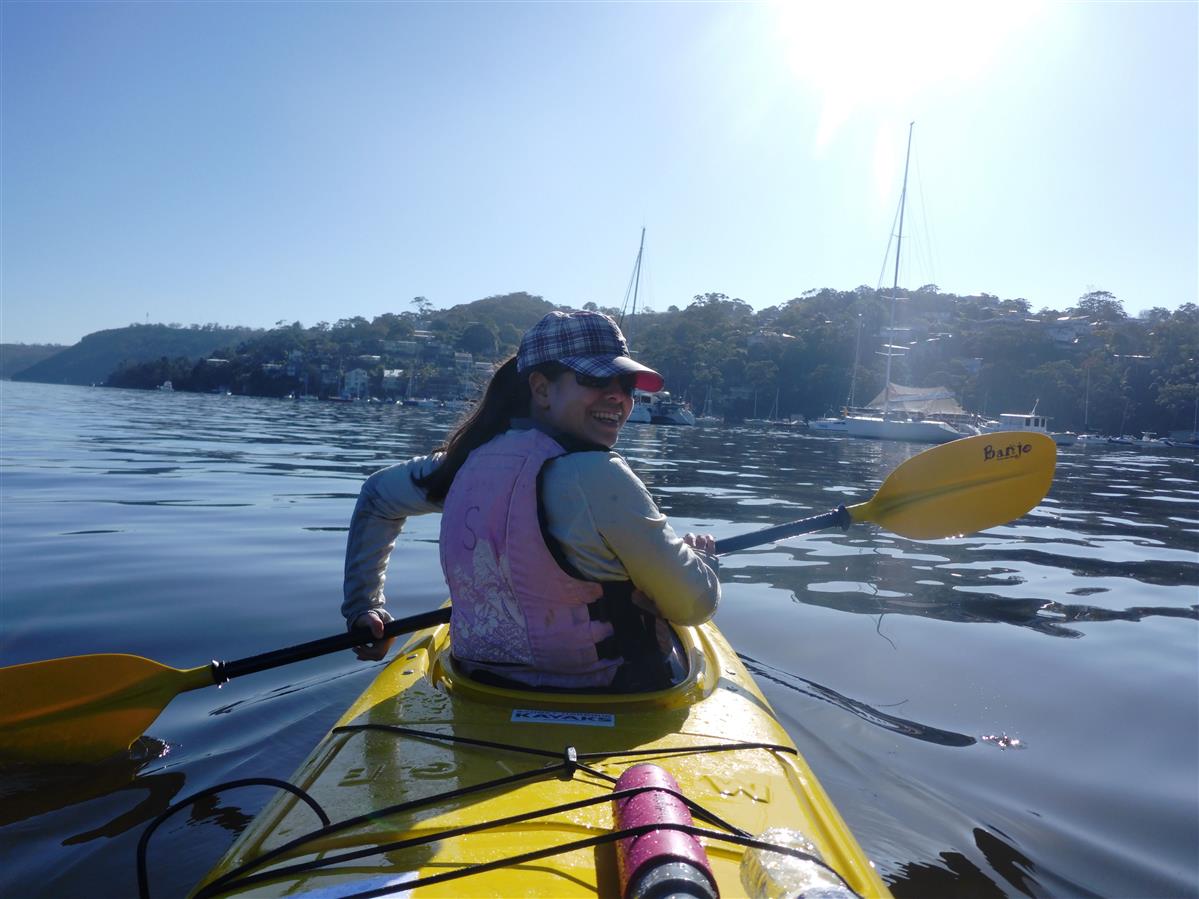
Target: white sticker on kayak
<point>545,716</point>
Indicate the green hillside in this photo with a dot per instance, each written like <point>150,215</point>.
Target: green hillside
<point>16,357</point>
<point>97,355</point>
<point>1089,366</point>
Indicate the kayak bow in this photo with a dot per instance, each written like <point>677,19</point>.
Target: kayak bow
<point>444,786</point>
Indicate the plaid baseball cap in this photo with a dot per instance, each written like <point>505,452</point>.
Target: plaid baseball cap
<point>588,342</point>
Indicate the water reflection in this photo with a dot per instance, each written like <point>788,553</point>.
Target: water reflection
<point>175,525</point>
<point>902,726</point>
<point>29,791</point>
<point>957,875</point>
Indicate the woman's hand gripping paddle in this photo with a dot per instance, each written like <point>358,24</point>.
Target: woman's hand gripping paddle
<point>87,708</point>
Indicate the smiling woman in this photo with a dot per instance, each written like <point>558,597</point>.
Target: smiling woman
<point>584,406</point>
<point>564,572</point>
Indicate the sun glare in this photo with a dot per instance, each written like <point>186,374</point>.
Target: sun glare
<point>885,55</point>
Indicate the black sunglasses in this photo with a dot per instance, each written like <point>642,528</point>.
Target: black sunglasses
<point>627,382</point>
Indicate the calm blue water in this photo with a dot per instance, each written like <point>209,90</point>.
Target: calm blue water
<point>1012,713</point>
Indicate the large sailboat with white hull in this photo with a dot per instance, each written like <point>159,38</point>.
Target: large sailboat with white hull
<point>922,415</point>
<point>641,399</point>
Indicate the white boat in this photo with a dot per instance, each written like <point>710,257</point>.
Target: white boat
<point>665,410</point>
<point>891,428</point>
<point>919,414</point>
<point>1028,421</point>
<point>1147,439</point>
<point>167,386</point>
<point>641,407</point>
<point>829,424</point>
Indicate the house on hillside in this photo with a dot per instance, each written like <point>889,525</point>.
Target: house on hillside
<point>1068,330</point>
<point>357,383</point>
<point>295,363</point>
<point>404,349</point>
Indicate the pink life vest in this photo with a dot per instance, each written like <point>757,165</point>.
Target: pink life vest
<point>517,613</point>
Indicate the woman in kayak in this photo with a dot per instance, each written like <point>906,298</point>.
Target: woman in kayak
<point>562,570</point>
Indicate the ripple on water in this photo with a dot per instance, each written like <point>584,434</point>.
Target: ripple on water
<point>854,587</point>
<point>1029,580</point>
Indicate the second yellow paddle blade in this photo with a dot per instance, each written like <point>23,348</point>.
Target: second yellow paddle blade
<point>84,708</point>
<point>964,486</point>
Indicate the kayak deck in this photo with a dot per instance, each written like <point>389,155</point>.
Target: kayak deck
<point>426,757</point>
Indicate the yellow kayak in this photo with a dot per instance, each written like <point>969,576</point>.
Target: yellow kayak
<point>438,785</point>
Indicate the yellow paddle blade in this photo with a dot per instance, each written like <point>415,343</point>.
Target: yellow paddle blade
<point>964,486</point>
<point>85,708</point>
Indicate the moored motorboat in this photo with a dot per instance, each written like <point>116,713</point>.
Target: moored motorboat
<point>665,410</point>
<point>1028,421</point>
<point>1147,438</point>
<point>438,785</point>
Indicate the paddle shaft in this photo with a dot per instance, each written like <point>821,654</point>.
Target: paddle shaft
<point>277,658</point>
<point>953,488</point>
<point>223,671</point>
<point>838,517</point>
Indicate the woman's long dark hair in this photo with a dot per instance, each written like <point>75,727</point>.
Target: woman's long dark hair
<point>507,397</point>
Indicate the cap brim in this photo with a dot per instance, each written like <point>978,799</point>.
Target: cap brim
<point>647,378</point>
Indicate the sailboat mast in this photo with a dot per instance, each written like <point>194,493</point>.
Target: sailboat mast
<point>636,288</point>
<point>853,376</point>
<point>637,280</point>
<point>1086,403</point>
<point>895,284</point>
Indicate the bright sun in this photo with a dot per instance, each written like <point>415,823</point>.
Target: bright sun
<point>886,54</point>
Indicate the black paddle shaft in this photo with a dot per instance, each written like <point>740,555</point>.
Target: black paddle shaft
<point>838,517</point>
<point>223,671</point>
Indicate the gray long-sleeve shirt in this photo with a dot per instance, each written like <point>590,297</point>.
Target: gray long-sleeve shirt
<point>608,525</point>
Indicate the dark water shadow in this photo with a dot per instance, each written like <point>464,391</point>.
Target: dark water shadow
<point>1047,617</point>
<point>957,875</point>
<point>29,791</point>
<point>903,726</point>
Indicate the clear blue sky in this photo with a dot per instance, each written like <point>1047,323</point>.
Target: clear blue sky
<point>243,163</point>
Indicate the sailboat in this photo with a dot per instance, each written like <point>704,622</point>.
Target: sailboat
<point>903,413</point>
<point>706,416</point>
<point>1087,438</point>
<point>772,417</point>
<point>831,423</point>
<point>642,400</point>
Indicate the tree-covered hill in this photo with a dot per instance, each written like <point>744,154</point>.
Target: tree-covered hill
<point>1089,366</point>
<point>16,357</point>
<point>98,354</point>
